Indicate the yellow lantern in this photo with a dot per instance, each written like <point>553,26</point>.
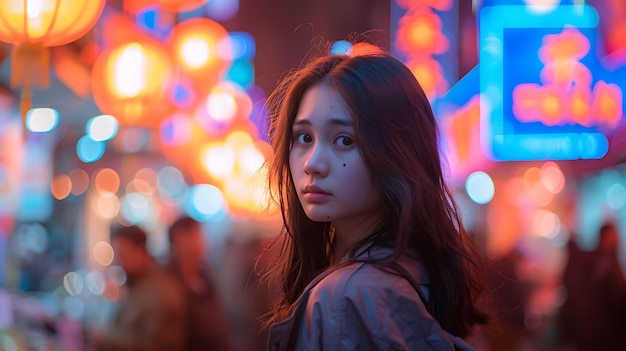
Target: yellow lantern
<point>201,51</point>
<point>131,81</point>
<point>34,25</point>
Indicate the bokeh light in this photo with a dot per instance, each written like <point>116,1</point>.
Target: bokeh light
<point>242,46</point>
<point>102,128</point>
<point>80,181</point>
<point>221,106</point>
<point>135,207</point>
<point>241,72</point>
<point>95,282</point>
<point>219,160</point>
<point>42,119</point>
<point>140,186</point>
<point>171,182</point>
<point>616,196</point>
<point>107,205</point>
<point>226,104</point>
<point>116,274</point>
<point>250,160</point>
<point>546,224</point>
<point>206,203</point>
<point>73,283</point>
<point>89,150</point>
<point>480,187</point>
<point>195,52</point>
<point>150,177</point>
<point>106,181</point>
<point>103,253</point>
<point>61,186</point>
<point>552,177</point>
<point>340,47</point>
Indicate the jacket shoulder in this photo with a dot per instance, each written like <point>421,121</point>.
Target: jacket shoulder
<point>362,303</point>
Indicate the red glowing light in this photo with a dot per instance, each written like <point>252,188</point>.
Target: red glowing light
<point>419,31</point>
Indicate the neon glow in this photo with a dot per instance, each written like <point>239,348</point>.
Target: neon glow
<point>566,95</point>
<point>424,35</point>
<point>542,111</point>
<point>463,127</point>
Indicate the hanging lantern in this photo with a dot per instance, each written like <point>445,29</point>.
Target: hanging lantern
<point>130,81</point>
<point>34,25</point>
<point>202,52</point>
<point>175,6</point>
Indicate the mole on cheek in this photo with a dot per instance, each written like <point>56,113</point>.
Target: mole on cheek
<point>344,164</point>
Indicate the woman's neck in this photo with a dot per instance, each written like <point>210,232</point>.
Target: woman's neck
<point>348,234</point>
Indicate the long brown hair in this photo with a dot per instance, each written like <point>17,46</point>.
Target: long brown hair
<point>398,138</point>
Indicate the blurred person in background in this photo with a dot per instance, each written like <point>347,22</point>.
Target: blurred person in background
<point>208,327</point>
<point>151,312</point>
<point>593,316</point>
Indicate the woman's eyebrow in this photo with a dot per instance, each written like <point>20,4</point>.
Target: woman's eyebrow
<point>335,121</point>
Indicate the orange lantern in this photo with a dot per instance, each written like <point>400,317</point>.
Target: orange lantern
<point>176,6</point>
<point>201,50</point>
<point>130,81</point>
<point>33,25</point>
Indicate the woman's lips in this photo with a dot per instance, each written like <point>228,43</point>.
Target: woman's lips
<point>315,194</point>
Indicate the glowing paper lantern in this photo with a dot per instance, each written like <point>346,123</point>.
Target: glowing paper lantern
<point>130,82</point>
<point>32,26</point>
<point>201,51</point>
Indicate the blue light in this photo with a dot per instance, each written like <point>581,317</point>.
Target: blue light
<point>182,94</point>
<point>241,72</point>
<point>171,182</point>
<point>89,150</point>
<point>243,45</point>
<point>340,47</point>
<point>147,18</point>
<point>206,203</point>
<point>479,187</point>
<point>502,136</point>
<point>135,207</point>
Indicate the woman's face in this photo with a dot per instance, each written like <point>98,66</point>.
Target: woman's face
<point>331,178</point>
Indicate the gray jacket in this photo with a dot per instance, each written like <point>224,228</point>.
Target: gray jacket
<point>361,307</point>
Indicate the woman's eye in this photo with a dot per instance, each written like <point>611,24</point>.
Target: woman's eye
<point>345,141</point>
<point>303,138</point>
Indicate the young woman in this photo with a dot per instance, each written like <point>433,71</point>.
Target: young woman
<point>374,256</point>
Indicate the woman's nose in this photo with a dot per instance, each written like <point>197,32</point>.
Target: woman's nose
<point>316,161</point>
